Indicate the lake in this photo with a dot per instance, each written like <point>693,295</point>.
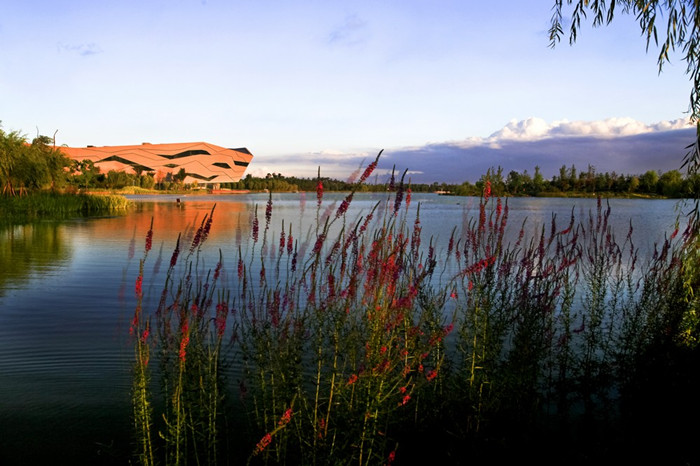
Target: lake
<point>67,297</point>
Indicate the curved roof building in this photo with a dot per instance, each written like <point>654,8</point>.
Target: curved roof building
<point>202,162</point>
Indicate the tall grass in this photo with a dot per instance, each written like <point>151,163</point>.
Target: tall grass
<point>359,341</point>
<point>52,204</point>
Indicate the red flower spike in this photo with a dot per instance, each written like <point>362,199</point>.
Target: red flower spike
<point>344,206</point>
<point>144,336</point>
<point>149,238</point>
<point>256,229</point>
<point>487,190</point>
<point>319,192</point>
<point>268,212</point>
<point>370,168</point>
<point>176,253</point>
<point>184,342</point>
<point>139,286</point>
<point>286,417</point>
<point>263,443</point>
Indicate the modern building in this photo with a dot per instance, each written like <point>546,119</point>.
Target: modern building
<point>202,162</point>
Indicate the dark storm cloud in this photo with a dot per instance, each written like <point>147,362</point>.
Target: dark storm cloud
<point>453,163</point>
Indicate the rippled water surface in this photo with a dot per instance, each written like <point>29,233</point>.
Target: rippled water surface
<point>66,297</point>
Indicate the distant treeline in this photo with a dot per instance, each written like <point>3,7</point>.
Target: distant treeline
<point>30,166</point>
<point>569,182</point>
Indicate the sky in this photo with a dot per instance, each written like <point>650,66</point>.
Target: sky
<point>447,89</point>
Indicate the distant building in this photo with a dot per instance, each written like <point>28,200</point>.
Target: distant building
<point>203,163</point>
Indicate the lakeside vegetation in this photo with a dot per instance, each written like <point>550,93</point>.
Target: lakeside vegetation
<point>363,342</point>
<point>37,182</point>
<point>54,204</point>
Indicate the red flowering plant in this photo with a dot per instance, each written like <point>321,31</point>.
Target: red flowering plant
<point>355,334</point>
<point>191,319</point>
<point>336,325</point>
<point>140,330</point>
<point>370,336</point>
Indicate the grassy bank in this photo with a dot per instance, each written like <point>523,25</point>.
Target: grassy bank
<point>58,205</point>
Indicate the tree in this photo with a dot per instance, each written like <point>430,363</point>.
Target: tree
<point>85,172</point>
<point>681,32</point>
<point>11,145</point>
<point>649,181</point>
<point>588,179</point>
<point>160,178</point>
<point>29,166</point>
<point>633,184</point>
<point>537,181</point>
<point>671,183</point>
<point>515,182</point>
<point>54,161</point>
<point>117,179</point>
<point>147,181</point>
<point>180,176</point>
<point>563,180</point>
<point>573,178</point>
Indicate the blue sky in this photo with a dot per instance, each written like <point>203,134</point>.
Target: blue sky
<point>446,88</point>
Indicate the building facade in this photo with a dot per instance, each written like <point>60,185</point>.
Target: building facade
<point>203,163</point>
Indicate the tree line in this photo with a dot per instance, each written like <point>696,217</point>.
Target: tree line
<point>569,182</point>
<point>28,166</point>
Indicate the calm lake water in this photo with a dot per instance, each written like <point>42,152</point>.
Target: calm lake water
<point>66,298</point>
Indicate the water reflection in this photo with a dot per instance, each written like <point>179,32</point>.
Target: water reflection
<point>27,250</point>
<point>66,297</point>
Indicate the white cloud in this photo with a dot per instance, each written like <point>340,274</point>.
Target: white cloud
<point>530,129</point>
<point>536,129</point>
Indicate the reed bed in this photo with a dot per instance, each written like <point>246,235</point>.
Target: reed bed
<point>49,203</point>
<point>359,341</point>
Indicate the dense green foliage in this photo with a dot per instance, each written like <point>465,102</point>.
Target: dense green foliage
<point>30,166</point>
<point>570,182</point>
